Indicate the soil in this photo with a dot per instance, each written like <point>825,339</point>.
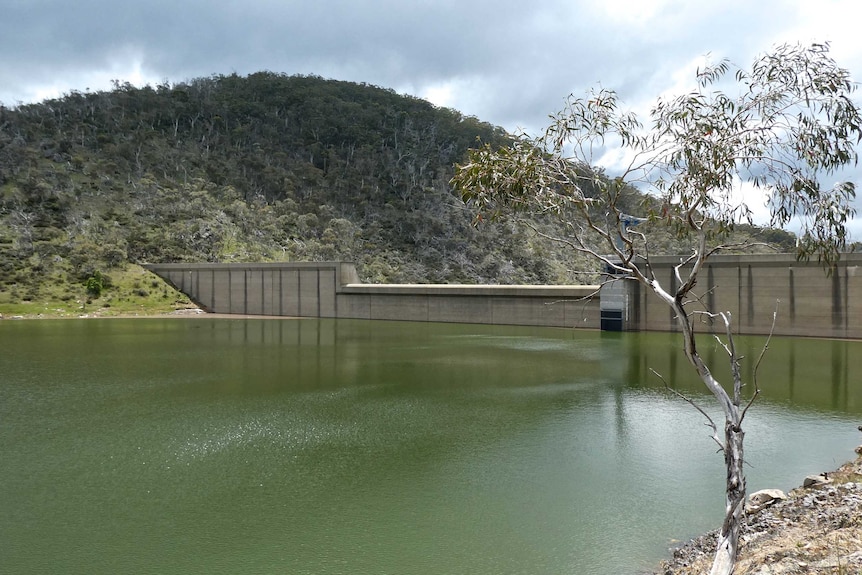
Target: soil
<point>816,530</point>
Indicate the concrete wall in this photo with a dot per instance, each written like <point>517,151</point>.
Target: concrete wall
<point>553,306</point>
<point>809,303</point>
<point>332,290</point>
<point>299,290</point>
<point>751,288</point>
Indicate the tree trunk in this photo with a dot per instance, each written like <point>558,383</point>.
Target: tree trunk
<point>728,537</point>
<point>724,562</point>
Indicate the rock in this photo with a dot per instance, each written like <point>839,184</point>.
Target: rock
<point>188,311</point>
<point>763,498</point>
<point>806,533</point>
<point>858,450</point>
<point>816,480</point>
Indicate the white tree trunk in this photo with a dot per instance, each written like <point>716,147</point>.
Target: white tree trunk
<point>728,538</point>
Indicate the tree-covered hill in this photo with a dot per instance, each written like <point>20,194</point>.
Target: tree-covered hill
<point>266,167</point>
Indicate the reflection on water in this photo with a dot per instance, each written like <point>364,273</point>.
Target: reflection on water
<point>305,446</point>
<point>809,373</point>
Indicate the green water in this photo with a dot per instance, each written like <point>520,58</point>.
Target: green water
<point>213,446</point>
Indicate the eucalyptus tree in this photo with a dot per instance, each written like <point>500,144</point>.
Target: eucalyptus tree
<point>771,131</point>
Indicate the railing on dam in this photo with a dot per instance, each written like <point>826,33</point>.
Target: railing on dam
<point>808,301</point>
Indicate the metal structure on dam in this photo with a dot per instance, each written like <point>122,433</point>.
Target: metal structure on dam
<point>809,302</point>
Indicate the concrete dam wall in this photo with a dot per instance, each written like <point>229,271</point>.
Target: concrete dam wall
<point>751,288</point>
<point>332,290</point>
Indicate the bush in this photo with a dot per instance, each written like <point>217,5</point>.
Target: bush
<point>96,283</point>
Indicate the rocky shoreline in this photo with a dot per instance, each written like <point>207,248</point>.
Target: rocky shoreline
<point>815,530</point>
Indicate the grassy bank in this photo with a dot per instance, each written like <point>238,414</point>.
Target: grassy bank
<point>129,290</point>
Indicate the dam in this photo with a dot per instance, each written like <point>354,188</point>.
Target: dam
<point>808,301</point>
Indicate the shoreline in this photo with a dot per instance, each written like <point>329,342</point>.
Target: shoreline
<point>816,530</point>
<point>189,313</point>
<point>198,312</point>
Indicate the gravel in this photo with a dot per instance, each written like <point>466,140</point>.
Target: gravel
<point>816,530</point>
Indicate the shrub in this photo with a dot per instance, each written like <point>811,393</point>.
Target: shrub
<point>95,284</point>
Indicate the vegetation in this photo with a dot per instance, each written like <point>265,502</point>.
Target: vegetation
<point>260,168</point>
<point>791,121</point>
<point>128,291</point>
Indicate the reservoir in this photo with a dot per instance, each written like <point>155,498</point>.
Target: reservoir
<point>333,446</point>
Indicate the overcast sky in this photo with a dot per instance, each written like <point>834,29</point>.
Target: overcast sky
<point>508,62</point>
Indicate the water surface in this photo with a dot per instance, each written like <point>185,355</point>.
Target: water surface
<point>225,446</point>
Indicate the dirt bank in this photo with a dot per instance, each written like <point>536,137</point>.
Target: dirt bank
<point>816,530</point>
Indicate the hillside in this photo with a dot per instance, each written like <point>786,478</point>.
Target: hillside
<point>260,168</point>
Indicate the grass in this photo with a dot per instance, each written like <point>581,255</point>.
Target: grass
<point>132,291</point>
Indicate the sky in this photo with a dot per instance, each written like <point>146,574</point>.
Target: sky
<point>507,62</point>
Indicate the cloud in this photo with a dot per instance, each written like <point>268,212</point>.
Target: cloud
<point>504,61</point>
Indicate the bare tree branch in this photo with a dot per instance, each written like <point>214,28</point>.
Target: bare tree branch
<point>760,359</point>
<point>710,423</point>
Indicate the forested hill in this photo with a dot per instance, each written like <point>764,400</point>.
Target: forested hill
<point>258,168</point>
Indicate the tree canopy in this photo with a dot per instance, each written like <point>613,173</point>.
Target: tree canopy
<point>792,122</point>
